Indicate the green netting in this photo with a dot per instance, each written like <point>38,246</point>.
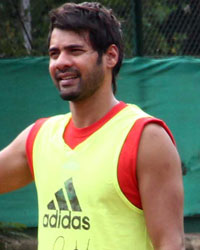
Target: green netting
<point>166,88</point>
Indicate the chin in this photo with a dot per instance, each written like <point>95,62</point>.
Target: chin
<point>69,97</point>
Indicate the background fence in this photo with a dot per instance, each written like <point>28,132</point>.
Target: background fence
<point>171,27</point>
<point>151,28</point>
<point>159,28</point>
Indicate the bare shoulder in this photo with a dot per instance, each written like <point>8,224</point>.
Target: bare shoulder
<point>19,143</point>
<point>154,131</point>
<point>22,137</point>
<point>158,159</point>
<point>156,144</point>
<point>14,168</point>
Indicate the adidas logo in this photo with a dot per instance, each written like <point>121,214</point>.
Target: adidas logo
<point>62,216</point>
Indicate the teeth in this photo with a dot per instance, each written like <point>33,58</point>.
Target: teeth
<point>68,77</point>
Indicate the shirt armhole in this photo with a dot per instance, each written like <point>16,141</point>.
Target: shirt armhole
<point>128,157</point>
<point>30,142</point>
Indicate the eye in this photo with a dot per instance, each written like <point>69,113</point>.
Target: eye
<point>53,54</point>
<point>77,51</point>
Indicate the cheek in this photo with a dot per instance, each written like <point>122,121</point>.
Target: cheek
<point>51,69</point>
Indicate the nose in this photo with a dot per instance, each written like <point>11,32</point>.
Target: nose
<point>63,61</point>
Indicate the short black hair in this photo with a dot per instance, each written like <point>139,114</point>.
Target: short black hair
<point>103,27</point>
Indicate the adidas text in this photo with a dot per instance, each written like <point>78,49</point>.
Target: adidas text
<point>66,221</point>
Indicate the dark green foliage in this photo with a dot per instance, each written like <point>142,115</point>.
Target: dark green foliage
<point>11,39</point>
<point>168,27</point>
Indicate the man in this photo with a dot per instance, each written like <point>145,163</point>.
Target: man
<point>108,175</point>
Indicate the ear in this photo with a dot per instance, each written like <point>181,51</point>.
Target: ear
<point>112,55</point>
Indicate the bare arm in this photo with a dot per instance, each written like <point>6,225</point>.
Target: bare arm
<point>160,184</point>
<point>14,169</point>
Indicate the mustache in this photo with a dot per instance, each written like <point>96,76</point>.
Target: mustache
<point>60,72</point>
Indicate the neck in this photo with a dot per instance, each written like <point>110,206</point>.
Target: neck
<point>86,112</point>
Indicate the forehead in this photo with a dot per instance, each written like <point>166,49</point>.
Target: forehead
<point>67,37</point>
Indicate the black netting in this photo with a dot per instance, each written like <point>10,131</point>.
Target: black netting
<point>11,26</point>
<point>161,28</point>
<point>124,10</point>
<point>156,28</point>
<point>171,27</point>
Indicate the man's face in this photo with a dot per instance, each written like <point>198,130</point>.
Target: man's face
<point>74,65</point>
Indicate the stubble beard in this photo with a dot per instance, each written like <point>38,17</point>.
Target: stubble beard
<point>68,96</point>
<point>86,87</point>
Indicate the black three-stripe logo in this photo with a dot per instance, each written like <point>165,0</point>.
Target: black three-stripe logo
<point>61,200</point>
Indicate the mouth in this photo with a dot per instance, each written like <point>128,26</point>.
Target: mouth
<point>68,77</point>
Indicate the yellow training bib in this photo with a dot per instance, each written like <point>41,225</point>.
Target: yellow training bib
<point>81,205</point>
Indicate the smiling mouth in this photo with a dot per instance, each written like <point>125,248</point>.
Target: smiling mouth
<point>67,81</point>
<point>68,78</point>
